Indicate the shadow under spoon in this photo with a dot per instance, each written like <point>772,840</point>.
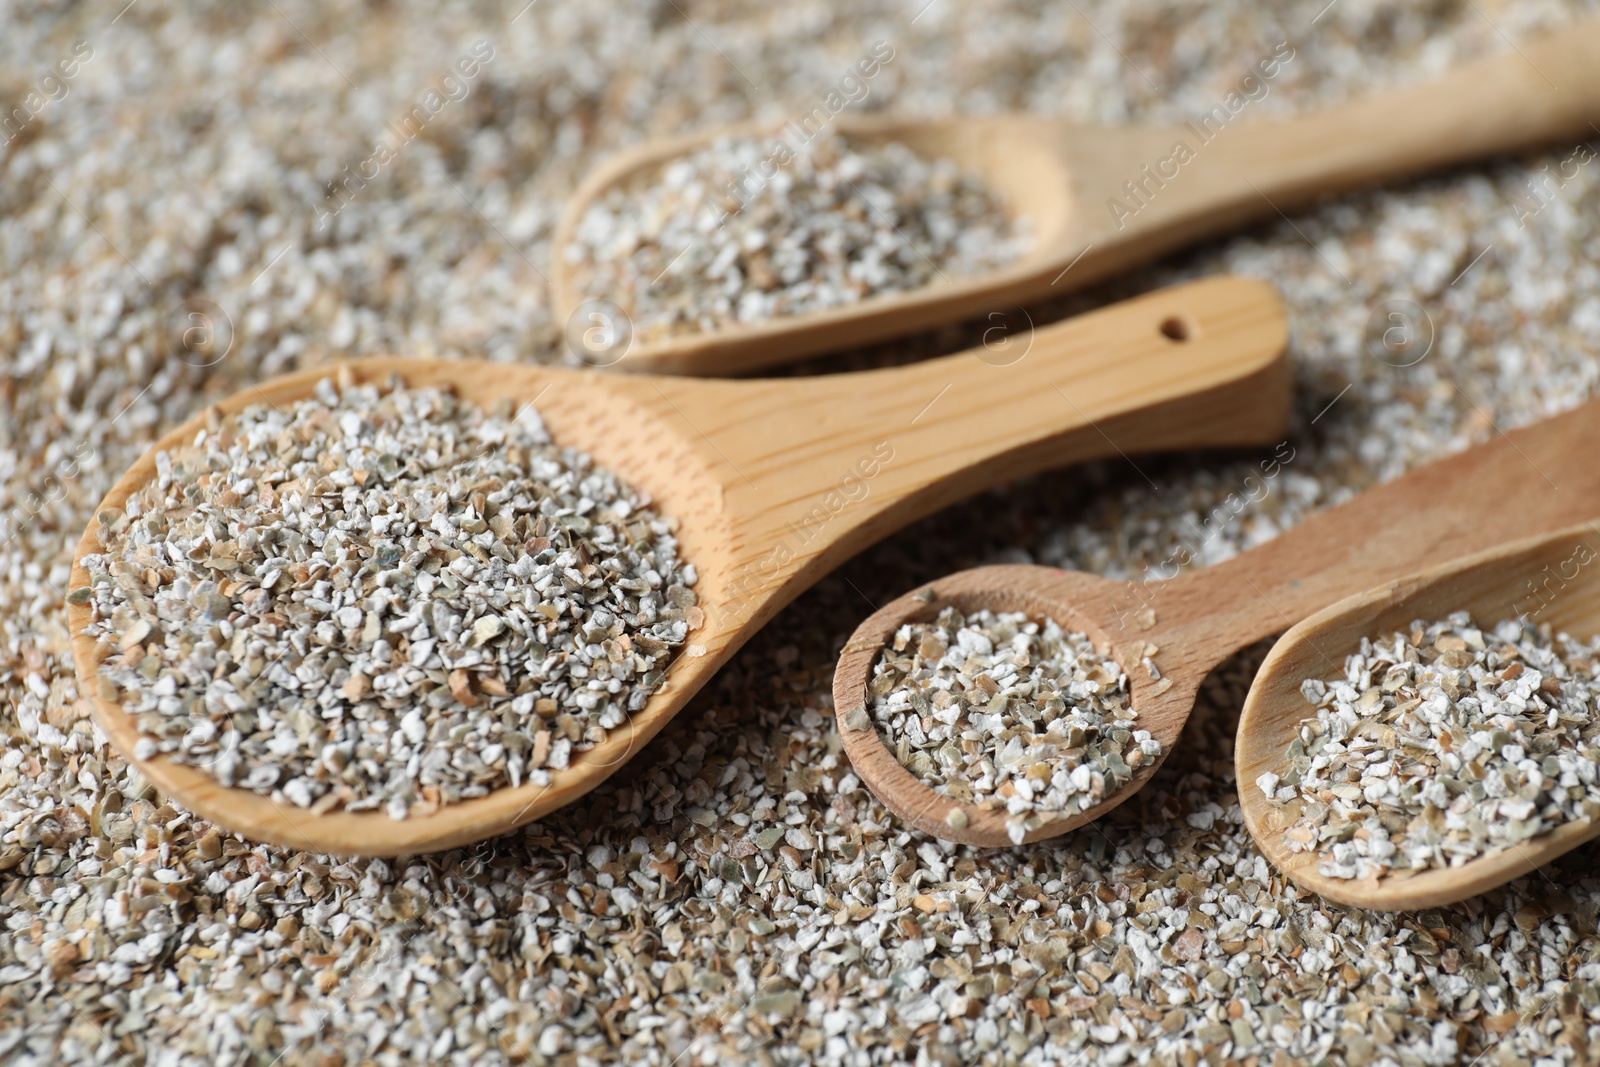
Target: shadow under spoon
<point>774,483</point>
<point>1544,477</point>
<point>1101,199</point>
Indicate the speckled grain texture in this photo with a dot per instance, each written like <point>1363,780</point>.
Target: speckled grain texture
<point>736,895</point>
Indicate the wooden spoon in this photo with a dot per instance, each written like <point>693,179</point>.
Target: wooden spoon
<point>1545,578</point>
<point>1543,477</point>
<point>1068,179</point>
<point>774,483</point>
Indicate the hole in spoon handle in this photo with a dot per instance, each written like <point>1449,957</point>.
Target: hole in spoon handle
<point>1179,328</point>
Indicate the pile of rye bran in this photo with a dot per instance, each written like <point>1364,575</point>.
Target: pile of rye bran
<point>744,898</point>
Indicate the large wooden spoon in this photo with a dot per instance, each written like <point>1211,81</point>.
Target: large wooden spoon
<point>774,483</point>
<point>1101,199</point>
<point>1541,478</point>
<point>1547,579</point>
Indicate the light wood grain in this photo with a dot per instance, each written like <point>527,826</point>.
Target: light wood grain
<point>1545,477</point>
<point>1064,177</point>
<point>776,482</point>
<point>1493,586</point>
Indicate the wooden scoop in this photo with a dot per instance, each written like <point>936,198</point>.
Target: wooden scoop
<point>1548,579</point>
<point>1544,477</point>
<point>774,483</point>
<point>1101,199</point>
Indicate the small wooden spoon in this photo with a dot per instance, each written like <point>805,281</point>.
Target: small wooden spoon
<point>1547,575</point>
<point>774,483</point>
<point>1543,477</point>
<point>1067,179</point>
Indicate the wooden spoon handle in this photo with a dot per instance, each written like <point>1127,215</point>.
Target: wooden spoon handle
<point>1223,169</point>
<point>812,470</point>
<point>1544,91</point>
<point>1540,478</point>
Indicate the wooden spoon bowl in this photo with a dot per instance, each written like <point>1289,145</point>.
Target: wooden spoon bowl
<point>1071,599</point>
<point>1542,477</point>
<point>773,484</point>
<point>1068,179</point>
<point>1019,158</point>
<point>1547,574</point>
